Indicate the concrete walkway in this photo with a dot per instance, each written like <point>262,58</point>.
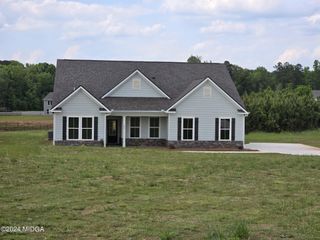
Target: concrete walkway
<point>284,148</point>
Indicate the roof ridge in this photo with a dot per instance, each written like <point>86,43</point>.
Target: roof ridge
<point>136,61</point>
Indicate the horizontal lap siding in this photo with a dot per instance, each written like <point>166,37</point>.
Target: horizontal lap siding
<point>146,90</point>
<point>206,109</point>
<point>79,105</point>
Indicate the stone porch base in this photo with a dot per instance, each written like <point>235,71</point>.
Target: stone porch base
<point>162,143</point>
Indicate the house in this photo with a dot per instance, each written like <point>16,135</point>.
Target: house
<point>133,103</point>
<point>47,103</point>
<point>316,94</point>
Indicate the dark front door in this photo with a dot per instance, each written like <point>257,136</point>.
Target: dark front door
<point>112,131</point>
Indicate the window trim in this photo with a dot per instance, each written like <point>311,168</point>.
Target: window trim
<point>193,128</point>
<point>80,128</point>
<point>154,127</point>
<point>135,127</point>
<point>230,129</point>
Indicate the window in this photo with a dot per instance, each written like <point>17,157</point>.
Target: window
<point>134,127</point>
<point>207,90</point>
<point>187,128</point>
<point>136,83</point>
<point>87,128</point>
<point>80,128</point>
<point>73,128</point>
<point>225,129</point>
<point>154,123</point>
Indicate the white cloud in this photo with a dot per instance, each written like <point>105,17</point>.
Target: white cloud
<point>314,19</point>
<point>75,19</point>
<point>32,57</point>
<point>292,54</point>
<point>316,53</point>
<point>220,26</point>
<point>72,52</point>
<point>214,6</point>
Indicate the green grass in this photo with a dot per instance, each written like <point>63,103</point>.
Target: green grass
<point>145,193</point>
<point>311,137</point>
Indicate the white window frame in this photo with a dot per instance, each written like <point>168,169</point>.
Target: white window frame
<point>193,128</point>
<point>136,83</point>
<point>134,127</point>
<point>159,127</point>
<point>80,128</point>
<point>230,129</point>
<point>209,89</point>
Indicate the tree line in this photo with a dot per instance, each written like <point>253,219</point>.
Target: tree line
<point>278,100</point>
<point>22,87</point>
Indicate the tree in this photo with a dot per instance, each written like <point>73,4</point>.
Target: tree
<point>194,59</point>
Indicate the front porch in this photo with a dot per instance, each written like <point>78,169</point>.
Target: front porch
<point>135,130</point>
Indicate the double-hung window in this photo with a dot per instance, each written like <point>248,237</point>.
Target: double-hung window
<point>225,129</point>
<point>154,131</point>
<point>87,128</point>
<point>134,127</point>
<point>188,129</point>
<point>80,128</point>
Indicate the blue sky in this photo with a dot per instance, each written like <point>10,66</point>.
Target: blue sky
<point>249,33</point>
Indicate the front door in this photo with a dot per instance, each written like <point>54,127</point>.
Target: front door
<point>112,131</point>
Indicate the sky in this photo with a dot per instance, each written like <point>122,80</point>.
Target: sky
<point>249,33</point>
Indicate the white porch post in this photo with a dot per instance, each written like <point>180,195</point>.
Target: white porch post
<point>54,129</point>
<point>123,131</point>
<point>105,131</point>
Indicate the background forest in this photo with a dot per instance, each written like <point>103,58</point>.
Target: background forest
<point>278,100</point>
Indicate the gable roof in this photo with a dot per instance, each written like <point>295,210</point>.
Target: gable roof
<point>173,78</point>
<point>48,96</point>
<point>80,88</point>
<point>158,90</point>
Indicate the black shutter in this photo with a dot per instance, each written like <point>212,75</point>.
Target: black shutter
<point>196,126</point>
<point>64,128</point>
<point>217,129</point>
<point>95,128</point>
<point>179,129</point>
<point>233,128</point>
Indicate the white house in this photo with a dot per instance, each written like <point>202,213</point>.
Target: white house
<point>129,103</point>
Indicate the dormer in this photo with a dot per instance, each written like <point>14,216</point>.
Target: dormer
<point>136,85</point>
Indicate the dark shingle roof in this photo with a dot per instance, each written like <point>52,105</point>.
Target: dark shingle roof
<point>174,78</point>
<point>48,96</point>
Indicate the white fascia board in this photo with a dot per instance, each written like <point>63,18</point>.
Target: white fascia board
<point>73,93</point>
<point>144,77</point>
<point>216,86</point>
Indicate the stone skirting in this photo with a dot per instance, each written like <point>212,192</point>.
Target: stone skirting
<point>162,143</point>
<point>205,144</point>
<point>79,143</point>
<point>145,142</point>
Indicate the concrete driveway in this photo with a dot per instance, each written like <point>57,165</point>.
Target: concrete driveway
<point>284,148</point>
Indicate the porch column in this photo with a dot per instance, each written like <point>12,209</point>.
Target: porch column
<point>123,131</point>
<point>105,131</point>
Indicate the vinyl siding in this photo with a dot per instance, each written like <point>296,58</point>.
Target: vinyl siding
<point>126,90</point>
<point>206,109</point>
<point>79,105</point>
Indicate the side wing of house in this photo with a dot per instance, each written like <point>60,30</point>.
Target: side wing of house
<point>79,118</point>
<point>205,116</point>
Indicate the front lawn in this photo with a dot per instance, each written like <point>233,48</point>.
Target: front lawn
<point>146,193</point>
<point>311,137</point>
